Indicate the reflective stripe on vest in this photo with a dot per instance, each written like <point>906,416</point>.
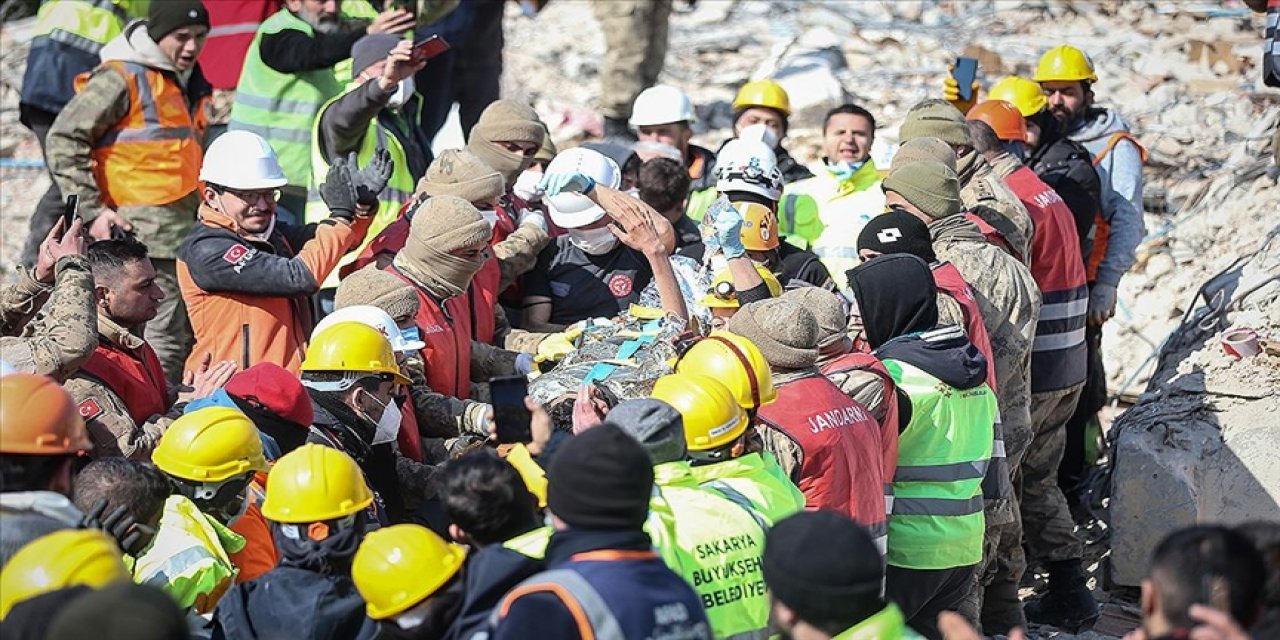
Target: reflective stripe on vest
<point>588,608</point>
<point>188,559</point>
<point>85,25</point>
<point>152,155</point>
<point>1101,225</point>
<point>937,520</point>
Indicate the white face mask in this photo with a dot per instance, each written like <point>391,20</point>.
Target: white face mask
<point>404,91</point>
<point>760,132</point>
<point>388,423</point>
<point>595,242</point>
<point>414,616</point>
<point>526,185</point>
<point>490,216</point>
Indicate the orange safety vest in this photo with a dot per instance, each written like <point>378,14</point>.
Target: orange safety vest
<point>151,156</point>
<point>1101,226</point>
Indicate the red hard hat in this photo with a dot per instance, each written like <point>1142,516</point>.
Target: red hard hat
<point>38,417</point>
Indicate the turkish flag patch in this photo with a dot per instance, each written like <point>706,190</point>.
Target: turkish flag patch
<point>235,254</point>
<point>90,409</point>
<point>620,285</point>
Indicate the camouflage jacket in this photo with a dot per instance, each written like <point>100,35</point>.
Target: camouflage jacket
<point>438,415</point>
<point>64,335</point>
<point>113,431</point>
<point>984,193</point>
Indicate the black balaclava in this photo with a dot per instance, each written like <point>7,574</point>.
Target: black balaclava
<point>896,296</point>
<point>330,556</point>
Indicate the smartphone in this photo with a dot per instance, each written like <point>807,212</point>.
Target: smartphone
<point>429,48</point>
<point>69,211</point>
<point>965,73</point>
<point>509,413</point>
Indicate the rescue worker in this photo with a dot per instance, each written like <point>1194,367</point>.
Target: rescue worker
<point>723,300</point>
<point>635,33</point>
<point>827,443</point>
<point>713,539</point>
<point>835,594</point>
<point>761,111</point>
<point>134,156</point>
<point>60,560</point>
<point>378,109</point>
<point>936,525</point>
<point>526,185</point>
<point>124,498</point>
<point>663,113</point>
<point>121,390</point>
<point>134,611</point>
<point>41,434</point>
<point>507,137</point>
<point>316,502</point>
<point>59,286</point>
<point>724,455</point>
<point>826,212</point>
<point>982,192</point>
<point>603,577</point>
<point>662,183</point>
<point>289,74</point>
<point>66,42</point>
<point>210,455</point>
<point>355,386</point>
<point>410,581</point>
<point>248,280</point>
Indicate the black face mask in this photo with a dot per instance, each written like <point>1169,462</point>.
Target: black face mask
<point>330,556</point>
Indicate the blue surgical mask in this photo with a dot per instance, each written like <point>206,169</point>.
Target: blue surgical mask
<point>844,170</point>
<point>411,334</point>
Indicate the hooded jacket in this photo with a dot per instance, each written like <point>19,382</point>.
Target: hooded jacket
<point>289,602</point>
<point>1119,169</point>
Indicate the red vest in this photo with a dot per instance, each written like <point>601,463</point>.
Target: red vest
<point>137,378</point>
<point>483,296</point>
<point>950,282</point>
<point>993,235</point>
<point>889,426</point>
<point>233,27</point>
<point>409,439</point>
<point>842,468</point>
<point>447,332</point>
<point>390,240</point>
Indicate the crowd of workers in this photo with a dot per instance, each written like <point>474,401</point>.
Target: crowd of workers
<point>252,373</point>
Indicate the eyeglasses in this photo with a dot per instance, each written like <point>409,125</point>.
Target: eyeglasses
<point>261,195</point>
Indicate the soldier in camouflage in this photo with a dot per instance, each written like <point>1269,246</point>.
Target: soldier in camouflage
<point>635,34</point>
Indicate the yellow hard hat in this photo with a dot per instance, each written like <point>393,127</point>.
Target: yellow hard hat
<point>712,416</point>
<point>723,295</point>
<point>759,226</point>
<point>763,93</point>
<point>1065,63</point>
<point>1022,93</point>
<point>399,566</point>
<point>314,483</point>
<point>737,363</point>
<point>210,445</point>
<point>59,560</point>
<point>352,347</point>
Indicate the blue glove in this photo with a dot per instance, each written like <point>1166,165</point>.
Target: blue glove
<point>556,183</point>
<point>729,233</point>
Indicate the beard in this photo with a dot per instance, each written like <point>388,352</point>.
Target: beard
<point>322,24</point>
<point>1062,114</point>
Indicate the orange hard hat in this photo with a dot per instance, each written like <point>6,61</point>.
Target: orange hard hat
<point>1003,117</point>
<point>38,417</point>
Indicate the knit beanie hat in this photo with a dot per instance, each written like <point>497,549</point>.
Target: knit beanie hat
<point>367,51</point>
<point>828,310</point>
<point>938,119</point>
<point>270,387</point>
<point>844,578</point>
<point>601,479</point>
<point>931,187</point>
<point>459,172</point>
<point>506,121</point>
<point>167,16</point>
<point>121,610</point>
<point>655,424</point>
<point>548,149</point>
<point>931,149</point>
<point>898,232</point>
<point>785,332</point>
<point>376,287</point>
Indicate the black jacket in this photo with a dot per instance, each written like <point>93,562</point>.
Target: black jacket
<point>1067,166</point>
<point>294,604</point>
<point>488,575</point>
<point>335,426</point>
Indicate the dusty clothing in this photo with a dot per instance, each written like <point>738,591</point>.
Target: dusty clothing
<point>66,332</point>
<point>109,411</point>
<point>231,282</point>
<point>1049,530</point>
<point>439,415</point>
<point>985,193</point>
<point>635,37</point>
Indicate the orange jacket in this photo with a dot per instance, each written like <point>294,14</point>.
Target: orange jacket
<point>250,300</point>
<point>259,553</point>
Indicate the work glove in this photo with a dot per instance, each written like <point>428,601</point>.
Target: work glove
<point>534,218</point>
<point>372,179</point>
<point>118,524</point>
<point>339,192</point>
<point>573,182</point>
<point>951,93</point>
<point>1102,303</point>
<point>729,233</point>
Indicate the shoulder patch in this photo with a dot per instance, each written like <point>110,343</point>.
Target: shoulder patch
<point>238,255</point>
<point>90,409</point>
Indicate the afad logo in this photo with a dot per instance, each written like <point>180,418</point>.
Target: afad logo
<point>620,285</point>
<point>238,256</point>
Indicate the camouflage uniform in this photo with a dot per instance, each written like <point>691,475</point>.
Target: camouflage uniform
<point>635,46</point>
<point>985,194</point>
<point>441,416</point>
<point>113,431</point>
<point>65,334</point>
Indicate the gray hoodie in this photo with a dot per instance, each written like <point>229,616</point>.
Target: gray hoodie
<point>1121,174</point>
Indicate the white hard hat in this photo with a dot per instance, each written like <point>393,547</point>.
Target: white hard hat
<point>574,210</point>
<point>748,165</point>
<point>371,316</point>
<point>661,104</point>
<point>242,160</point>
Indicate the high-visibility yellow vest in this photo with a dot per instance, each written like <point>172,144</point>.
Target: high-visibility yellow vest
<point>887,624</point>
<point>758,478</point>
<point>532,544</point>
<point>715,545</point>
<point>189,557</point>
<point>828,213</point>
<point>85,24</point>
<point>937,520</point>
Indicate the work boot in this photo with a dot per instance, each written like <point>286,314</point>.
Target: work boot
<point>617,129</point>
<point>1068,604</point>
